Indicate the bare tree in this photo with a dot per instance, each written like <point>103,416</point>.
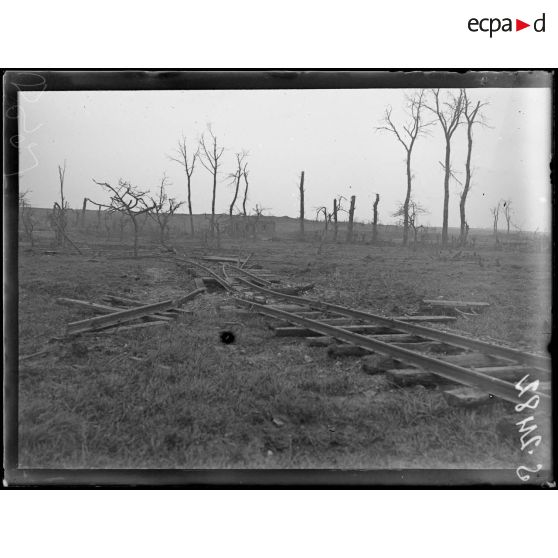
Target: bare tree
<point>163,208</point>
<point>245,174</point>
<point>83,209</point>
<point>188,165</point>
<point>235,178</point>
<point>449,115</point>
<point>210,159</point>
<point>507,208</point>
<point>327,217</point>
<point>472,116</point>
<point>407,135</point>
<point>495,211</point>
<point>301,191</point>
<point>414,210</point>
<point>351,219</point>
<point>26,216</point>
<point>129,201</point>
<point>375,222</point>
<point>59,215</point>
<point>336,209</point>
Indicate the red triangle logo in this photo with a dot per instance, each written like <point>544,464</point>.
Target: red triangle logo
<point>519,25</point>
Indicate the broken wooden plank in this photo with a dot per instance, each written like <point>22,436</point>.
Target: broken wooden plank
<point>118,329</point>
<point>296,331</point>
<point>117,318</point>
<point>178,311</point>
<point>86,304</point>
<point>103,309</point>
<point>391,337</point>
<point>134,302</point>
<point>439,319</point>
<point>456,303</point>
<point>467,397</point>
<point>123,300</point>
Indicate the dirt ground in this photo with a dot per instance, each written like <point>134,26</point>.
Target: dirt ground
<point>177,397</point>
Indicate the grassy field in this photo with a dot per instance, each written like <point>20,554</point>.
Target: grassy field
<point>177,397</point>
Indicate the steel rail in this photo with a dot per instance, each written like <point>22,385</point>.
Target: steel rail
<point>495,386</point>
<point>436,334</point>
<point>220,280</point>
<point>252,275</point>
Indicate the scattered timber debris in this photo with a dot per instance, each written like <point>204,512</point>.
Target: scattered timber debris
<point>454,307</point>
<point>117,319</point>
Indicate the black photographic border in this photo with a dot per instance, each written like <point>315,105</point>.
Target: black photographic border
<point>215,79</point>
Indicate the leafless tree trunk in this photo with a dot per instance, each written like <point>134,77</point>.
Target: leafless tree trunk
<point>211,161</point>
<point>188,166</point>
<point>449,114</point>
<point>471,114</point>
<point>83,209</point>
<point>495,216</point>
<point>245,198</point>
<point>61,175</point>
<point>507,213</point>
<point>375,222</point>
<point>235,178</point>
<point>351,218</point>
<point>335,222</point>
<point>60,211</point>
<point>407,135</point>
<point>301,189</point>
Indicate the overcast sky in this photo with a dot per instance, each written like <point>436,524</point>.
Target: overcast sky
<point>330,134</point>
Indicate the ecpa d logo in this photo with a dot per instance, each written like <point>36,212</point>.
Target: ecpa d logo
<point>492,25</point>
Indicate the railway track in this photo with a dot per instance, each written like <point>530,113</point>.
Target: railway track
<point>470,371</point>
